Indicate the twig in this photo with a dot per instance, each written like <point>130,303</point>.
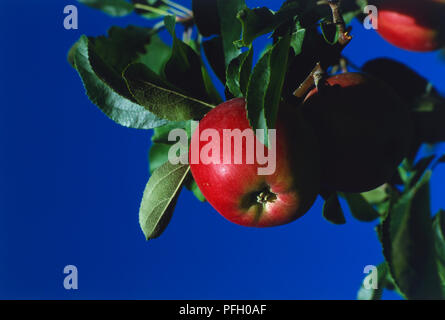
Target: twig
<point>308,82</point>
<point>318,73</point>
<point>344,38</point>
<point>178,6</point>
<point>177,12</point>
<point>343,65</point>
<point>153,10</point>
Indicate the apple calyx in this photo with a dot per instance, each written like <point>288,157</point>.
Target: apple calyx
<point>266,196</point>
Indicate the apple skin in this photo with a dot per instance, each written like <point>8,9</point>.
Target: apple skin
<point>233,189</point>
<point>363,129</point>
<point>412,25</point>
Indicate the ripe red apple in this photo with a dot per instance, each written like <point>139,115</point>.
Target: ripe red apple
<point>363,129</point>
<point>411,24</point>
<point>243,196</point>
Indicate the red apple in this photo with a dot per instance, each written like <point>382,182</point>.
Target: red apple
<point>411,24</point>
<point>363,129</point>
<point>238,192</point>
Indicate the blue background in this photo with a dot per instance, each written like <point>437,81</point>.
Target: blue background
<point>71,181</point>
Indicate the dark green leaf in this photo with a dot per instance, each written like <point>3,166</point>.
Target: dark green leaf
<point>238,73</point>
<point>156,56</point>
<point>329,32</point>
<point>332,210</point>
<point>408,244</point>
<point>374,294</point>
<point>407,83</point>
<point>115,102</point>
<point>439,241</point>
<point>214,52</point>
<point>158,155</point>
<point>160,196</point>
<point>155,95</point>
<point>278,66</point>
<point>206,17</point>
<point>404,171</point>
<point>230,26</point>
<point>360,208</point>
<point>160,134</point>
<point>419,169</point>
<point>297,40</point>
<point>256,94</point>
<point>116,8</point>
<point>260,21</point>
<point>122,46</point>
<point>183,69</point>
<point>376,195</point>
<point>160,147</point>
<point>218,17</point>
<point>266,85</point>
<point>379,198</point>
<point>212,93</point>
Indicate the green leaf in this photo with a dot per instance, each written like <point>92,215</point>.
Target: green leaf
<point>329,32</point>
<point>122,46</point>
<point>212,93</point>
<point>419,169</point>
<point>238,73</point>
<point>214,53</point>
<point>160,146</point>
<point>156,55</point>
<point>376,195</point>
<point>230,26</point>
<point>266,85</point>
<point>360,208</point>
<point>160,134</point>
<point>256,94</point>
<point>206,17</point>
<point>260,21</point>
<point>166,102</point>
<point>116,8</point>
<point>408,244</point>
<point>183,69</point>
<point>439,241</point>
<point>158,155</point>
<point>375,294</point>
<point>332,210</point>
<point>297,40</point>
<point>116,102</point>
<point>380,197</point>
<point>159,199</point>
<point>404,171</point>
<point>218,17</point>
